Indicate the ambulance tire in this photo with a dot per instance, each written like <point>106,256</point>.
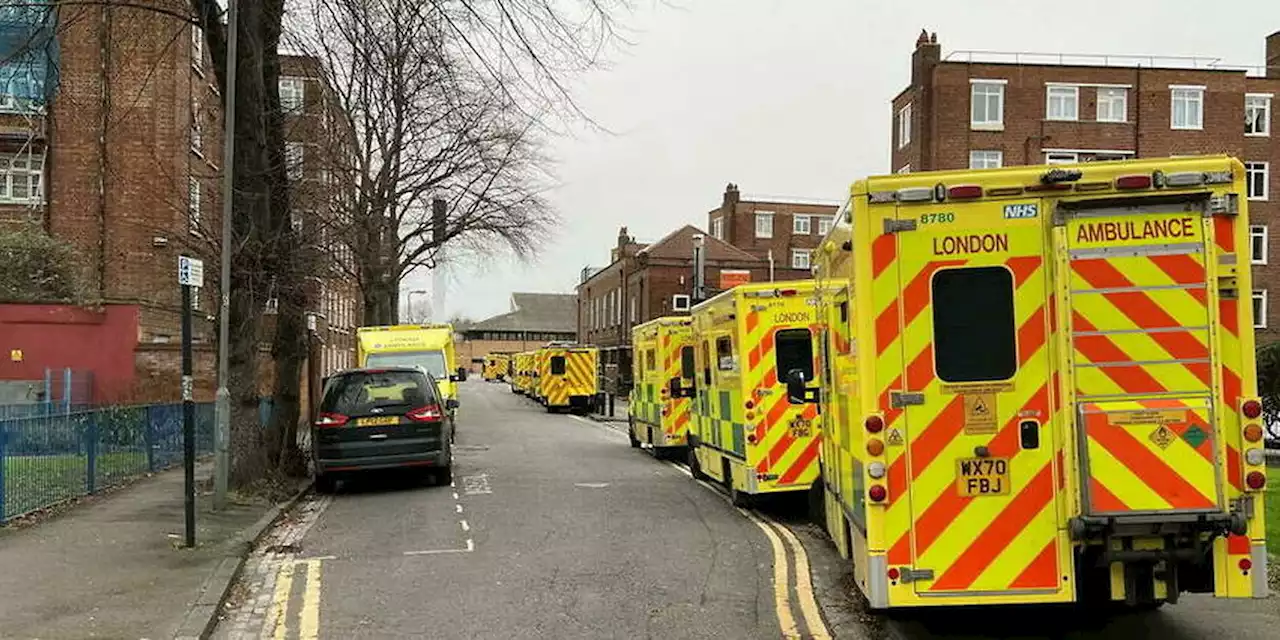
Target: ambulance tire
<point>653,448</point>
<point>631,433</point>
<point>738,498</point>
<point>817,502</point>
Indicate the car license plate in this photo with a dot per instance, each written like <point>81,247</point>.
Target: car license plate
<point>982,477</point>
<point>380,421</point>
<point>801,428</point>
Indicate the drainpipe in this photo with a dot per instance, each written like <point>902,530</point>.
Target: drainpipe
<point>771,265</point>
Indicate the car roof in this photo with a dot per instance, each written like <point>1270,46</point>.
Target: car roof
<point>395,368</point>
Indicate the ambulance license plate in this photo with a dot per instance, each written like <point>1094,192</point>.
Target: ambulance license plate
<point>982,477</point>
<point>380,421</point>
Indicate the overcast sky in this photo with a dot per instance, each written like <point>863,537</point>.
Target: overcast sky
<point>791,97</point>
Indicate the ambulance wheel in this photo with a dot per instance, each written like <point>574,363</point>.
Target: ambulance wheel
<point>817,503</point>
<point>653,446</point>
<point>631,434</point>
<point>738,498</point>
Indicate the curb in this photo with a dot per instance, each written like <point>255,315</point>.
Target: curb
<point>202,617</point>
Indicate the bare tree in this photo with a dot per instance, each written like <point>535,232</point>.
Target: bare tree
<point>425,153</point>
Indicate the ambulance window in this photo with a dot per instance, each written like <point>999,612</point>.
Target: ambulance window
<point>794,351</point>
<point>844,312</point>
<point>687,368</point>
<point>973,326</point>
<point>557,365</point>
<point>650,361</point>
<point>724,354</point>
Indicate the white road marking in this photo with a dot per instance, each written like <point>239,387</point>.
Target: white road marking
<point>607,429</point>
<point>458,507</point>
<point>465,526</point>
<point>591,485</point>
<point>476,485</point>
<point>455,495</point>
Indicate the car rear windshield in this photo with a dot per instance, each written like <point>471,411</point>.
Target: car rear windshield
<point>794,349</point>
<point>973,333</point>
<point>432,361</point>
<point>359,393</point>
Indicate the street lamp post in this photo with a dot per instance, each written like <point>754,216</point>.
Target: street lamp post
<point>222,403</point>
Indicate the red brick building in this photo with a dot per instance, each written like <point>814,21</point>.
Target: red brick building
<point>971,110</point>
<point>782,230</point>
<point>643,282</point>
<point>120,158</point>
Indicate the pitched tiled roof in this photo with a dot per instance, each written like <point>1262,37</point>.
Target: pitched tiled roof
<point>679,245</point>
<point>542,312</point>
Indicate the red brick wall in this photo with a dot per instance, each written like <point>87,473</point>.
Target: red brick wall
<point>739,220</point>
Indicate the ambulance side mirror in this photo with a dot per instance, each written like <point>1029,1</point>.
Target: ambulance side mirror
<point>460,376</point>
<point>678,390</point>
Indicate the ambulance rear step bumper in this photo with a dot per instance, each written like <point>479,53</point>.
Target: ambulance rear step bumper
<point>1091,527</point>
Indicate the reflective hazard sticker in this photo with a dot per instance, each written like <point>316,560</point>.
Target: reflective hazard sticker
<point>1195,436</point>
<point>1163,436</point>
<point>895,437</point>
<point>979,413</point>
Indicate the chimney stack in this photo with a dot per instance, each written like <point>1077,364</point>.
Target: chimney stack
<point>728,207</point>
<point>927,55</point>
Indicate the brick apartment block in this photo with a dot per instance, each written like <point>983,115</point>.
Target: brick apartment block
<point>784,229</point>
<point>123,162</point>
<point>972,110</point>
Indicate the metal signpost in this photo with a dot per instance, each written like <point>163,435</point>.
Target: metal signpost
<point>190,275</point>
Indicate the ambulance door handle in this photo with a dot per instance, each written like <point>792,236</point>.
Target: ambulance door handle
<point>1030,431</point>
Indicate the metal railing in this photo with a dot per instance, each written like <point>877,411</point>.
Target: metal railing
<point>48,458</point>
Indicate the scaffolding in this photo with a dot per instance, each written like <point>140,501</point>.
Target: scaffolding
<point>29,59</point>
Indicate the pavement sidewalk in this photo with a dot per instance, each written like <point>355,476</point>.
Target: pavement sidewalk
<point>113,567</point>
<point>619,411</point>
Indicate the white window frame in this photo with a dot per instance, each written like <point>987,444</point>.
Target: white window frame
<point>294,156</point>
<point>717,228</point>
<point>1193,95</point>
<point>631,312</point>
<point>680,302</point>
<point>1250,170</point>
<point>801,259</point>
<point>193,205</point>
<point>293,94</point>
<point>982,158</point>
<point>1110,103</point>
<point>197,49</point>
<point>25,168</point>
<point>1067,98</point>
<point>1061,157</point>
<point>990,88</point>
<point>1259,244</point>
<point>906,168</point>
<point>801,224</point>
<point>904,126</point>
<point>825,223</point>
<point>764,230</point>
<point>1259,310</point>
<point>1262,103</point>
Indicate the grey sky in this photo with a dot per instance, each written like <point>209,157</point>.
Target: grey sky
<point>792,98</point>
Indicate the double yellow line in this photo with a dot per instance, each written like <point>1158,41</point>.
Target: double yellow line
<point>813,623</point>
<point>308,614</point>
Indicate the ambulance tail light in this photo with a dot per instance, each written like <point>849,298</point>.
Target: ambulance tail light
<point>1256,480</point>
<point>1245,564</point>
<point>1140,181</point>
<point>915,194</point>
<point>874,424</point>
<point>1253,433</point>
<point>787,293</point>
<point>1251,409</point>
<point>964,192</point>
<point>1255,457</point>
<point>1184,179</point>
<point>877,493</point>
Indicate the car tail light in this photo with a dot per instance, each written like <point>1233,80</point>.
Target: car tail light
<point>1251,409</point>
<point>1253,433</point>
<point>429,413</point>
<point>1256,480</point>
<point>325,420</point>
<point>874,424</point>
<point>877,493</point>
<point>875,446</point>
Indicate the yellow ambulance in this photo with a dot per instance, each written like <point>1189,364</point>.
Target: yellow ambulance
<point>566,377</point>
<point>496,366</point>
<point>755,426</point>
<point>1042,385</point>
<point>661,400</point>
<point>428,346</point>
<point>521,372</point>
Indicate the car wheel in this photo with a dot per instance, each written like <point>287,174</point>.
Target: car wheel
<point>326,483</point>
<point>444,476</point>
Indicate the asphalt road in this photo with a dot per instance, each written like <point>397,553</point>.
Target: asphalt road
<point>555,528</point>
